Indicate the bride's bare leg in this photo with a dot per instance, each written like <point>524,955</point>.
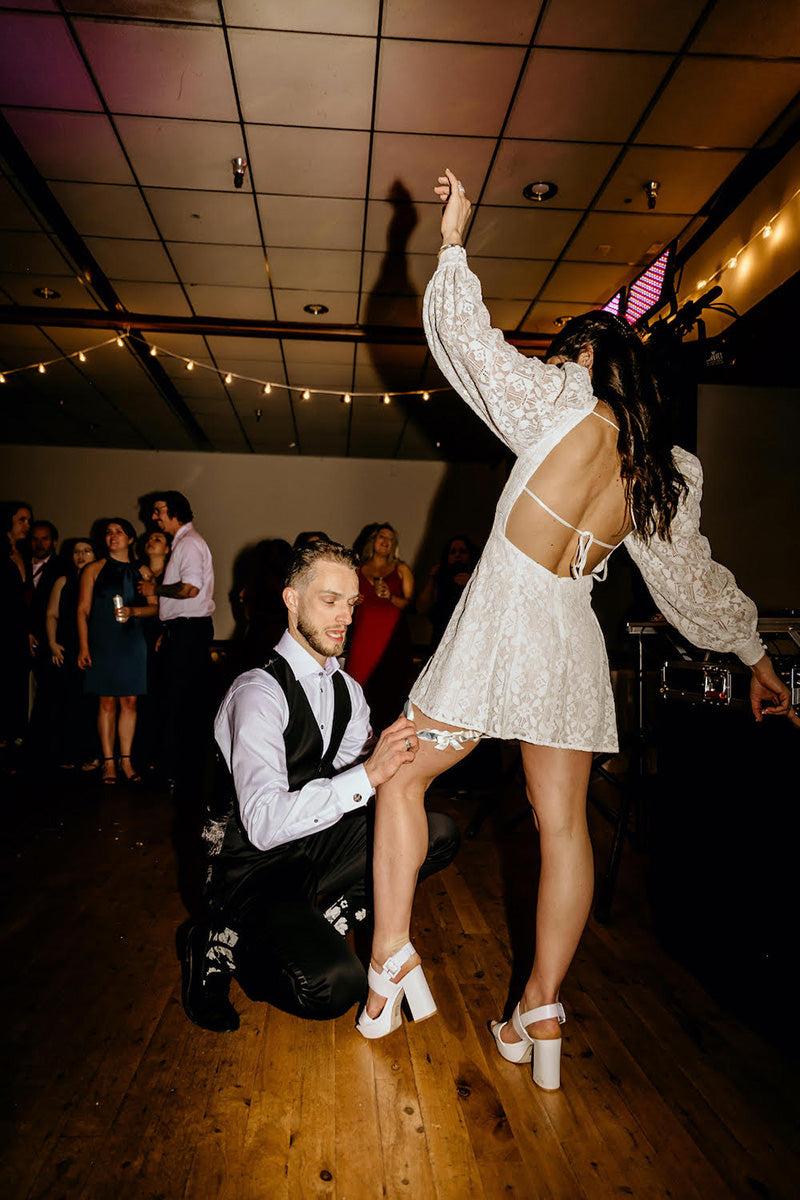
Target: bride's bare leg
<point>557,782</point>
<point>401,843</point>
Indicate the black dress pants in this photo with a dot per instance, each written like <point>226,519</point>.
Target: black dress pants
<point>288,953</point>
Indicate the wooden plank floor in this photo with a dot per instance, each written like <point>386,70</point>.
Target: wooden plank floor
<point>111,1093</point>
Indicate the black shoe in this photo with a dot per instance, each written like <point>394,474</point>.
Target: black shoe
<point>205,994</point>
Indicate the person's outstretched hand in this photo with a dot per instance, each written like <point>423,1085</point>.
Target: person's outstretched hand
<point>456,207</point>
<point>397,745</point>
<point>769,695</point>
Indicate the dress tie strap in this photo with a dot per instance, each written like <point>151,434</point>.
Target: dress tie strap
<point>585,541</point>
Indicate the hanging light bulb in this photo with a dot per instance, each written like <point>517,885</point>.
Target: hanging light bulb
<point>731,263</point>
<point>701,283</point>
<point>346,398</point>
<point>267,388</point>
<point>229,378</point>
<point>306,394</point>
<point>767,231</point>
<point>426,395</point>
<point>153,351</point>
<point>119,341</point>
<point>387,399</point>
<point>2,378</point>
<point>41,368</point>
<point>81,357</point>
<point>190,365</point>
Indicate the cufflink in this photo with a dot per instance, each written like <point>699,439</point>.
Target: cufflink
<point>357,797</point>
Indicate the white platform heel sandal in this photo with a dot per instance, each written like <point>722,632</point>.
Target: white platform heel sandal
<point>545,1052</point>
<point>414,986</point>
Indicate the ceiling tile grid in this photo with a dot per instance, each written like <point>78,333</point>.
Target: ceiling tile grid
<point>41,66</point>
<point>131,113</point>
<point>304,78</point>
<point>160,70</point>
<point>619,24</point>
<point>467,88</point>
<point>512,22</point>
<point>310,16</point>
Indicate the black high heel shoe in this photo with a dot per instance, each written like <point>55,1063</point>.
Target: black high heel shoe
<point>134,776</point>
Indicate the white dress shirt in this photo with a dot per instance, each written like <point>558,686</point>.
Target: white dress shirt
<point>38,567</point>
<point>249,731</point>
<point>189,562</point>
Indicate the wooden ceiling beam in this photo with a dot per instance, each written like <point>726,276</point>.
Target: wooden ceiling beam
<point>372,335</point>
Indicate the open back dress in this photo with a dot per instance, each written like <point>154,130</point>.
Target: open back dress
<point>523,656</point>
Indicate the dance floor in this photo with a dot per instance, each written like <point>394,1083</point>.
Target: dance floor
<point>112,1093</point>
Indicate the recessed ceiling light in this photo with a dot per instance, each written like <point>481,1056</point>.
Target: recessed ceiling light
<point>543,189</point>
<point>316,310</point>
<point>46,293</point>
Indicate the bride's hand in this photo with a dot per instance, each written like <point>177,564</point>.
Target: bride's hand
<point>456,207</point>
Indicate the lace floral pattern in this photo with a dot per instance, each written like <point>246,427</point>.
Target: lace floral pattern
<point>523,656</point>
<point>520,399</point>
<point>696,594</point>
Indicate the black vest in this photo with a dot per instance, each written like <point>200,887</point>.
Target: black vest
<point>305,760</point>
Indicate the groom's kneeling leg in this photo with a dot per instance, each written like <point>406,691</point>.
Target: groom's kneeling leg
<point>295,960</point>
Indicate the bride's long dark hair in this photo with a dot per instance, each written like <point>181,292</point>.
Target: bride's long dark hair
<point>621,376</point>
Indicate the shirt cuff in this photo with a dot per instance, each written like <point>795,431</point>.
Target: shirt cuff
<point>352,788</point>
<point>752,651</point>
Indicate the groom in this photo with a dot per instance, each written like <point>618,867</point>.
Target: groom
<point>290,858</point>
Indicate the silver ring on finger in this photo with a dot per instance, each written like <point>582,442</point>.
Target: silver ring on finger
<point>461,188</point>
<point>408,744</point>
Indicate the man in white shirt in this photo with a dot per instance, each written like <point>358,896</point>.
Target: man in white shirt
<point>295,738</point>
<point>45,569</point>
<point>185,605</point>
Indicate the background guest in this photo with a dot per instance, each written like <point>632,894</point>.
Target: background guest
<point>113,652</point>
<point>153,552</point>
<point>45,569</point>
<point>73,735</point>
<point>366,535</point>
<point>380,650</point>
<point>307,537</point>
<point>185,607</point>
<point>14,640</point>
<point>446,582</point>
<point>261,599</point>
<point>44,550</point>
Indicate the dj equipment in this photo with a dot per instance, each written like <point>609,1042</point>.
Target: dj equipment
<point>719,683</point>
<point>725,823</point>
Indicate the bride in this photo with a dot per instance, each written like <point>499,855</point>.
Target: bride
<point>523,657</point>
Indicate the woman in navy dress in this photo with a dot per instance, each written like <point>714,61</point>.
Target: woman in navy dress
<point>113,650</point>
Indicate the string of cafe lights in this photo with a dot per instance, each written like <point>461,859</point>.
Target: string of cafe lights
<point>266,386</point>
<point>767,230</point>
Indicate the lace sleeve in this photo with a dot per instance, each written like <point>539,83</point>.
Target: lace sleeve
<point>697,595</point>
<point>519,398</point>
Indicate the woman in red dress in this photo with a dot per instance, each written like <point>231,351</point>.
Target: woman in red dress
<point>380,649</point>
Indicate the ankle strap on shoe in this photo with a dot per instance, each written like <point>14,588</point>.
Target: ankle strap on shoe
<point>395,961</point>
<point>543,1013</point>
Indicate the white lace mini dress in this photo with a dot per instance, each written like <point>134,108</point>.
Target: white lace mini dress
<point>523,656</point>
